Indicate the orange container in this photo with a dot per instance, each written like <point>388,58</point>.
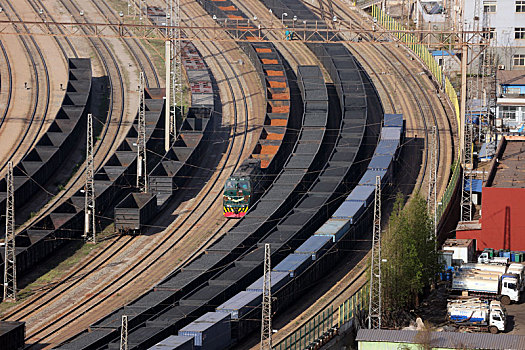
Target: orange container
<point>279,122</point>
<point>269,61</point>
<point>274,136</point>
<point>281,96</point>
<point>277,84</point>
<point>269,149</point>
<point>228,8</point>
<point>275,73</point>
<point>263,50</point>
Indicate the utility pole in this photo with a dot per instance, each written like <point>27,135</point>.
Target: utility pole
<point>124,333</point>
<point>167,115</point>
<point>89,187</point>
<point>432,190</point>
<point>142,181</point>
<point>10,256</point>
<point>176,65</point>
<point>266,326</point>
<point>374,309</point>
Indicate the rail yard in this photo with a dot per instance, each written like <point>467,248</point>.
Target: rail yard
<point>122,123</point>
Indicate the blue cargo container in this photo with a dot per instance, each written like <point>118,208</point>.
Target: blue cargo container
<point>386,147</point>
<point>315,246</point>
<point>362,194</point>
<point>294,264</point>
<point>212,331</point>
<point>334,228</point>
<point>240,304</point>
<point>349,210</point>
<point>393,120</point>
<point>369,177</point>
<point>278,279</point>
<point>392,133</point>
<point>174,342</point>
<point>380,162</point>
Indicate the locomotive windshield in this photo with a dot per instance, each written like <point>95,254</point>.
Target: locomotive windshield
<point>233,184</point>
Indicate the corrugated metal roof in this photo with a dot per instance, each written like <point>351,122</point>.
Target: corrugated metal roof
<point>452,340</point>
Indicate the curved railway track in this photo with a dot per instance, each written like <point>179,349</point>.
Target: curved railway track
<point>40,333</point>
<point>9,81</point>
<point>421,93</point>
<point>388,75</point>
<point>39,107</point>
<point>114,126</point>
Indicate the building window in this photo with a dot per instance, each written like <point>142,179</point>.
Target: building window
<point>519,33</point>
<point>520,5</point>
<point>489,7</point>
<point>518,60</point>
<point>491,32</point>
<point>508,112</point>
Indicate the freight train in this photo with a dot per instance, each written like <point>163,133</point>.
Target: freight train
<point>239,315</point>
<point>242,189</point>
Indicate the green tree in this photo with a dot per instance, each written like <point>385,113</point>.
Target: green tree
<point>408,245</point>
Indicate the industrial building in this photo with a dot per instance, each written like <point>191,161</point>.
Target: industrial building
<point>501,223</point>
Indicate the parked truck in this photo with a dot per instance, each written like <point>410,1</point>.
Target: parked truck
<point>485,258</point>
<point>477,315</point>
<point>490,281</point>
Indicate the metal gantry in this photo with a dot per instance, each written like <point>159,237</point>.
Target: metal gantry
<point>266,325</point>
<point>432,190</point>
<point>124,333</point>
<point>374,308</point>
<point>142,176</point>
<point>89,187</point>
<point>10,257</point>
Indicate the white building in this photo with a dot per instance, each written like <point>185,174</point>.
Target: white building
<point>505,19</point>
<point>510,104</point>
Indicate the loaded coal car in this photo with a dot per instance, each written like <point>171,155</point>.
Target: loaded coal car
<point>242,189</point>
<point>134,211</point>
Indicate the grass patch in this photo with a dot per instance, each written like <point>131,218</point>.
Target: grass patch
<point>54,269</point>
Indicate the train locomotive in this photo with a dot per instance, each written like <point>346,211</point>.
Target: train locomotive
<point>242,189</point>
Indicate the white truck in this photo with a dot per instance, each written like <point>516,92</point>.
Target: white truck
<point>477,315</point>
<point>484,258</point>
<point>489,281</point>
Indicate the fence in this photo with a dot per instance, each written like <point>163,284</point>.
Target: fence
<point>325,321</point>
<point>422,52</point>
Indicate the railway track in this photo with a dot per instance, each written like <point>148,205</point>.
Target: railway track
<point>424,99</point>
<point>390,77</point>
<point>117,121</point>
<point>5,92</point>
<point>50,329</point>
<point>26,137</point>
